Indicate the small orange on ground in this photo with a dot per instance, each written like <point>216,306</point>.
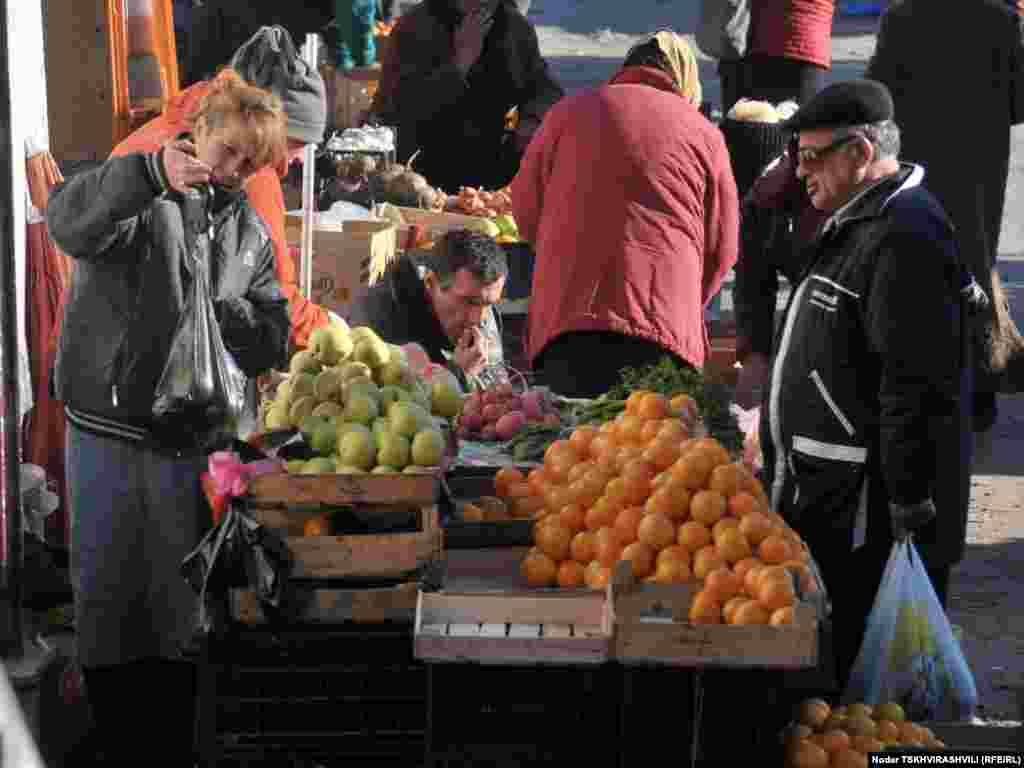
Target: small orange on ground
<point>570,575</point>
<point>773,595</point>
<point>582,548</point>
<point>722,583</point>
<point>656,531</point>
<point>725,479</point>
<point>733,546</point>
<point>626,523</point>
<point>674,552</point>
<point>707,507</point>
<point>693,535</point>
<point>774,549</point>
<point>813,713</point>
<point>671,571</point>
<point>751,613</point>
<point>706,560</point>
<point>729,612</point>
<point>640,557</point>
<point>705,609</point>
<point>848,758</point>
<point>505,477</point>
<point>317,526</point>
<point>581,438</point>
<point>782,616</point>
<point>835,740</point>
<point>539,570</point>
<point>607,547</point>
<point>573,517</point>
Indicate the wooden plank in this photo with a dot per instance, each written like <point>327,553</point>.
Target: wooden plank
<point>512,650</point>
<point>333,490</point>
<point>327,557</point>
<point>463,630</point>
<point>557,630</point>
<point>524,630</point>
<point>291,519</point>
<point>493,630</point>
<point>510,608</point>
<point>333,606</point>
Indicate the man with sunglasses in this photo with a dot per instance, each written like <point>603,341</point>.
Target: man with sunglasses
<point>866,432</point>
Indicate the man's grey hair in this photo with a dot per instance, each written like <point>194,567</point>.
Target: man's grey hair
<point>883,136</point>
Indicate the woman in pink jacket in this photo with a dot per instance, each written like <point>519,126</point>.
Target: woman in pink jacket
<point>789,49</point>
<point>628,197</point>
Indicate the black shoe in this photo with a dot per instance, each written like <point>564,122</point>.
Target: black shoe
<point>986,411</point>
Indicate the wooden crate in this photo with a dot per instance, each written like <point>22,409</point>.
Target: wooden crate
<point>651,627</point>
<point>337,606</point>
<point>514,627</point>
<point>284,502</point>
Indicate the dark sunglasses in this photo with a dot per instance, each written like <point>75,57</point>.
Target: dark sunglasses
<point>813,155</point>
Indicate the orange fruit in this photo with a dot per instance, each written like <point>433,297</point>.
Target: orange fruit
<point>558,496</point>
<point>582,547</point>
<point>318,526</point>
<point>693,535</point>
<point>578,470</point>
<point>640,557</point>
<point>722,526</point>
<point>674,552</point>
<point>705,609</point>
<point>653,406</point>
<point>865,744</point>
<point>774,549</point>
<point>602,514</point>
<point>607,548</point>
<point>662,452</point>
<point>633,401</point>
<point>683,405</point>
<point>706,560</point>
<point>750,613</point>
<point>517,490</point>
<point>471,513</point>
<point>730,608</point>
<point>750,579</point>
<point>601,576</point>
<point>888,731</point>
<point>782,616</point>
<point>740,568</point>
<point>559,467</point>
<point>722,583</point>
<point>650,431</point>
<point>663,502</point>
<point>813,713</point>
<point>527,506</point>
<point>560,449</point>
<point>554,539</point>
<point>673,429</point>
<point>693,470</point>
<point>835,740</point>
<point>629,429</point>
<point>910,732</point>
<point>733,546</point>
<point>638,475</point>
<point>626,523</point>
<point>586,490</point>
<point>742,503</point>
<point>616,491</point>
<point>848,758</point>
<point>538,480</point>
<point>656,531</point>
<point>582,437</point>
<point>671,571</point>
<point>602,446</point>
<point>773,595</point>
<point>725,479</point>
<point>570,575</point>
<point>774,573</point>
<point>756,527</point>
<point>573,517</point>
<point>505,477</point>
<point>707,507</point>
<point>539,570</point>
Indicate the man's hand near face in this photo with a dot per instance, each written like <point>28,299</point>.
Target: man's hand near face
<point>471,352</point>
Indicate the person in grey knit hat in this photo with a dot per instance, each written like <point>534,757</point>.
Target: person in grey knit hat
<point>270,60</point>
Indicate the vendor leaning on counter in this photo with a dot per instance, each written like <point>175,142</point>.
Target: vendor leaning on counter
<point>451,72</point>
<point>444,301</point>
<point>268,60</point>
<point>133,483</point>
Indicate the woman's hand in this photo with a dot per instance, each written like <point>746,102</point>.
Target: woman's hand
<point>182,168</point>
<point>470,36</point>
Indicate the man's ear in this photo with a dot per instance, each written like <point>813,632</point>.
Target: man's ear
<point>865,152</point>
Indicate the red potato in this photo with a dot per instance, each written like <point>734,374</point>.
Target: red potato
<point>492,413</point>
<point>489,397</point>
<point>505,389</point>
<point>510,425</point>
<point>471,421</point>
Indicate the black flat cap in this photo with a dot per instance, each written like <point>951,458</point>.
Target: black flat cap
<point>853,102</point>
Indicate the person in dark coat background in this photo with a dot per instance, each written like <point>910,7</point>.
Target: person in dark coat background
<point>972,87</point>
<point>451,72</point>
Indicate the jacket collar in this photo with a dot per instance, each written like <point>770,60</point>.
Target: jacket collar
<point>872,201</point>
<point>646,76</point>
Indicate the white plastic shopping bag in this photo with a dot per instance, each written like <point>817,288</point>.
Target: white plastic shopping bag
<point>909,654</point>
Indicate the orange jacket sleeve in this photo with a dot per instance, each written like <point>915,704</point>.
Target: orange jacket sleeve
<point>265,196</point>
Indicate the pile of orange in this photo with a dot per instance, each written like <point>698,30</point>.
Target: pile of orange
<point>643,489</point>
<point>823,737</point>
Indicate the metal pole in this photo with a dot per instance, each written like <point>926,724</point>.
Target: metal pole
<point>311,55</point>
<point>11,638</point>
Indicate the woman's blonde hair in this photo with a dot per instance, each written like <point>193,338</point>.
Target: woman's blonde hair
<point>258,111</point>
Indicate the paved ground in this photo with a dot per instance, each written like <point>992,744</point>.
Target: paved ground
<point>585,42</point>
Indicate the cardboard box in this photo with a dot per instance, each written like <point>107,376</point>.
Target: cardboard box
<point>347,259</point>
<point>349,94</point>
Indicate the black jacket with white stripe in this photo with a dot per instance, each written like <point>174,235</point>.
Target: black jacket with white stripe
<point>870,385</point>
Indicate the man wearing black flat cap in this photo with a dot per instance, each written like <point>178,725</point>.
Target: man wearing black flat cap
<point>866,430</point>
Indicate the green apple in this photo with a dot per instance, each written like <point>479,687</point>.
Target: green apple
<point>389,395</point>
<point>329,410</point>
<point>355,370</point>
<point>393,450</point>
<point>408,418</point>
<point>294,467</point>
<point>361,408</point>
<point>325,438</point>
<point>427,448</point>
<point>506,225</point>
<point>301,408</point>
<point>356,449</point>
<point>380,427</point>
<point>328,385</point>
<point>344,469</point>
<point>384,469</point>
<point>304,361</point>
<point>308,427</point>
<point>363,333</point>
<point>393,373</point>
<point>277,417</point>
<point>484,226</point>
<point>302,384</point>
<point>361,386</point>
<point>344,427</point>
<point>283,392</point>
<point>444,400</point>
<point>372,352</point>
<point>330,344</point>
<point>397,353</point>
<point>319,466</point>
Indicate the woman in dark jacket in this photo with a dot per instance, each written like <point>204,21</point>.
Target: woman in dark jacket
<point>451,72</point>
<point>133,487</point>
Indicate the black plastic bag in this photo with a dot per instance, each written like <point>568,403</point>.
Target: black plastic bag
<point>201,388</point>
<point>237,553</point>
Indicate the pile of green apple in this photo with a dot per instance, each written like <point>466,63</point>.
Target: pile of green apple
<point>360,407</point>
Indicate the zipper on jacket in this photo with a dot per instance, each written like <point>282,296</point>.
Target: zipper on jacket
<point>831,403</point>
